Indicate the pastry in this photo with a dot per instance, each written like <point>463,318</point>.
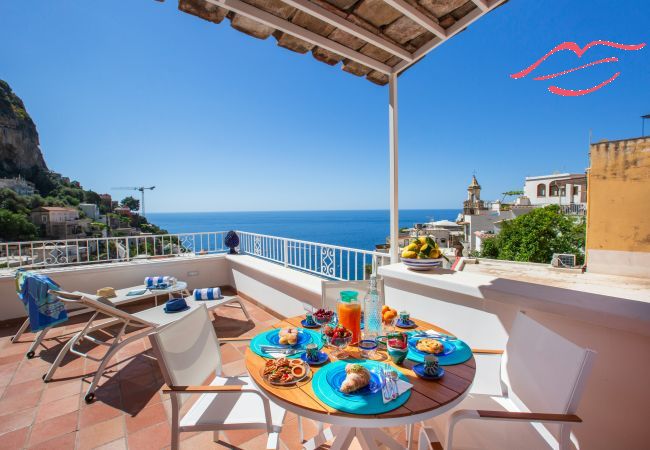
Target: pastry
<point>357,377</point>
<point>288,336</point>
<point>429,345</point>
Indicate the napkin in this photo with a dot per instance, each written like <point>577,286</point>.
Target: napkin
<point>402,386</point>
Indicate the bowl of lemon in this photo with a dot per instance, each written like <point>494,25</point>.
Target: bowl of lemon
<point>422,254</point>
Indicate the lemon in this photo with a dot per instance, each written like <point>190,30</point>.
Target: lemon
<point>411,247</point>
<point>409,254</point>
<point>422,239</point>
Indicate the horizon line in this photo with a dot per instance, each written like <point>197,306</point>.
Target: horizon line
<point>301,210</point>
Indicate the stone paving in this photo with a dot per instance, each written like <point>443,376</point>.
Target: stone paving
<point>129,412</point>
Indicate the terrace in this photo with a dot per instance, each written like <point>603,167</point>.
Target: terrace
<point>275,276</point>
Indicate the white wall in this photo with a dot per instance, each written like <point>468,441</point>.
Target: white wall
<point>204,271</point>
<point>615,403</point>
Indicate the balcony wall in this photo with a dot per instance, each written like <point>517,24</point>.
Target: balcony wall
<point>478,309</point>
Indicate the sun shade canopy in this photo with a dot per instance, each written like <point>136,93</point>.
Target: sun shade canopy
<point>370,38</point>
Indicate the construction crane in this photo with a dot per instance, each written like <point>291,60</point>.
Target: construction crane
<point>141,189</point>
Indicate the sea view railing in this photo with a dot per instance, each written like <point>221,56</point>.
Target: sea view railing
<point>326,260</point>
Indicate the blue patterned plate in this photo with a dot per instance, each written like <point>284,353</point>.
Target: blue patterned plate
<point>455,352</point>
<point>419,371</point>
<point>448,348</point>
<point>335,380</point>
<point>327,381</point>
<point>274,339</point>
<point>264,339</point>
<point>304,323</point>
<point>405,323</point>
<point>322,358</point>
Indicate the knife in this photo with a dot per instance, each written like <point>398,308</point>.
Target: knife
<point>284,350</point>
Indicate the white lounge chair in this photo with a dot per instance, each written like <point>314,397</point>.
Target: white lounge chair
<point>147,320</point>
<point>544,376</point>
<point>188,354</point>
<point>121,298</point>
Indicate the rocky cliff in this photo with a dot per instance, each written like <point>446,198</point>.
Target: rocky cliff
<point>19,147</point>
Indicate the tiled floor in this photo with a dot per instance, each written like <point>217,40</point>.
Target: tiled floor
<point>130,411</point>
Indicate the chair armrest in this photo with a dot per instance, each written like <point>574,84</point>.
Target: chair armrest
<point>205,389</point>
<point>529,417</point>
<point>481,351</point>
<point>236,339</point>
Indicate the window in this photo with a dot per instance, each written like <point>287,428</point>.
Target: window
<point>553,190</point>
<point>575,190</point>
<point>563,191</point>
<point>541,190</point>
<point>44,219</point>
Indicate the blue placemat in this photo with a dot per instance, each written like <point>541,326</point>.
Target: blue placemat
<point>266,338</point>
<point>461,353</point>
<point>372,403</point>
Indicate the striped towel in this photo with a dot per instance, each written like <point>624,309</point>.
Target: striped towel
<point>207,294</point>
<point>158,280</point>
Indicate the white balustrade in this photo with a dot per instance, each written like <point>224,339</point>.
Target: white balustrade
<point>329,261</point>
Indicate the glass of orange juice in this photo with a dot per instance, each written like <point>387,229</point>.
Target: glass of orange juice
<point>349,313</point>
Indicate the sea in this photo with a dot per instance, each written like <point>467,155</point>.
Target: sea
<point>361,229</point>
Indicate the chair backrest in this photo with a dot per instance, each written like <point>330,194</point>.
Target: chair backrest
<point>331,290</point>
<point>545,372</point>
<point>188,350</point>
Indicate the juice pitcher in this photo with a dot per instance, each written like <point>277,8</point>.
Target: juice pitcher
<point>349,313</point>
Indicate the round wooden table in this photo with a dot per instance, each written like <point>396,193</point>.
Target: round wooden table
<point>428,398</point>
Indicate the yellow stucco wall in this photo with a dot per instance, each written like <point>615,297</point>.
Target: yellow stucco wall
<point>618,205</point>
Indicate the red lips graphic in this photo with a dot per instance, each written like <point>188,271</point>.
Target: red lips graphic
<point>575,48</point>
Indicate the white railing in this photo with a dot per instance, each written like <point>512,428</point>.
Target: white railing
<point>330,261</point>
<point>42,254</point>
<point>579,209</point>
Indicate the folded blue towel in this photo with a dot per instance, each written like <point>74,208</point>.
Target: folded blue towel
<point>207,294</point>
<point>159,280</point>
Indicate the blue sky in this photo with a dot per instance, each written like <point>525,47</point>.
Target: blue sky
<point>134,92</point>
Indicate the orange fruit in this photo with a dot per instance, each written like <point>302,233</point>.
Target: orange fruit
<point>384,308</point>
<point>392,314</point>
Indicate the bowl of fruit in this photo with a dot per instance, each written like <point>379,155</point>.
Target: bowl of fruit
<point>339,337</point>
<point>324,316</point>
<point>388,317</point>
<point>422,254</point>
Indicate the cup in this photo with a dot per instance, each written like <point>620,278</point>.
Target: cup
<point>431,365</point>
<point>312,352</point>
<point>367,348</point>
<point>397,354</point>
<point>309,319</point>
<point>404,316</point>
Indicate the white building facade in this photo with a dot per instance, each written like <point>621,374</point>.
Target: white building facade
<point>569,190</point>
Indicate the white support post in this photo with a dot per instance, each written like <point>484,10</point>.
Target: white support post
<point>394,186</point>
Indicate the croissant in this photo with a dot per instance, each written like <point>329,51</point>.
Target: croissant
<point>356,378</point>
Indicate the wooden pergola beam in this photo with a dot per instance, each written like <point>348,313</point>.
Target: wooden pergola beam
<point>453,30</point>
<point>339,22</point>
<point>418,17</point>
<point>285,26</point>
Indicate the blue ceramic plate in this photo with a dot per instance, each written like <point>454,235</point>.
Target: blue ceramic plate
<point>419,371</point>
<point>264,338</point>
<point>354,403</point>
<point>448,348</point>
<point>322,358</point>
<point>304,323</point>
<point>335,379</point>
<point>405,324</point>
<point>274,339</point>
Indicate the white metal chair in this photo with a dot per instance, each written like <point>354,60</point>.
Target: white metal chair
<point>147,321</point>
<point>544,376</point>
<point>190,360</point>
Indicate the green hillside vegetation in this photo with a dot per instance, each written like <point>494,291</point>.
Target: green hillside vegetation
<point>535,236</point>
